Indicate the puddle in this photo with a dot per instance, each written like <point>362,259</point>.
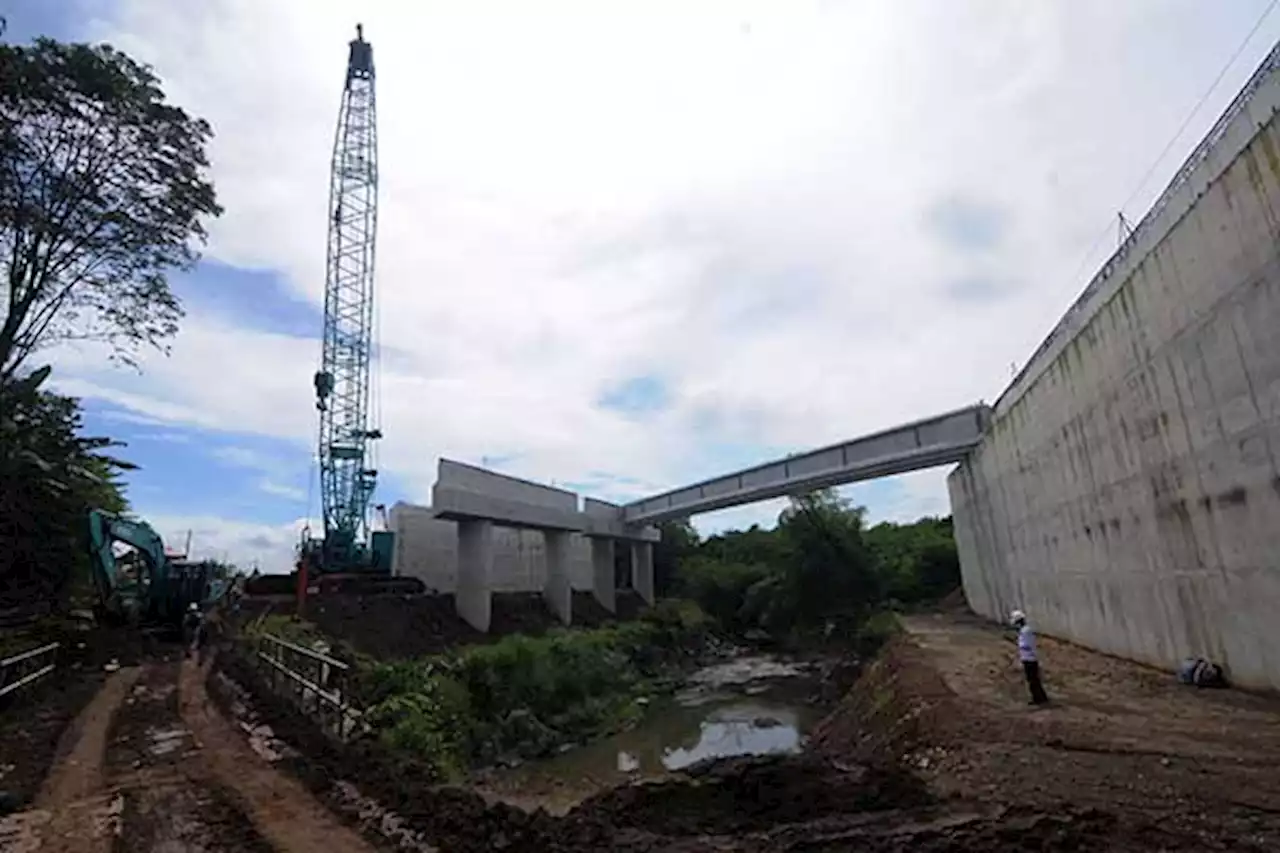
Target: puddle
<point>748,706</point>
<point>165,741</point>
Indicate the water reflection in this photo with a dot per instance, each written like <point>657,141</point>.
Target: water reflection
<point>744,729</point>
<point>725,711</point>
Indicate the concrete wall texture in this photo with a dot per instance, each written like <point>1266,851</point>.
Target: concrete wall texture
<point>1127,494</point>
<point>427,548</point>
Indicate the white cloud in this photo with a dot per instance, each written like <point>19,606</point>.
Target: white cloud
<point>243,543</point>
<point>733,197</point>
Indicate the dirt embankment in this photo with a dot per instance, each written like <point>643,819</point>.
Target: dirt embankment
<point>410,626</point>
<point>933,749</point>
<point>947,700</point>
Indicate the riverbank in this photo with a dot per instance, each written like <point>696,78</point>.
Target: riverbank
<point>748,704</point>
<point>932,749</point>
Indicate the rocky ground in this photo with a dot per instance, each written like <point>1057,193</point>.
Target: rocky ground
<point>933,749</point>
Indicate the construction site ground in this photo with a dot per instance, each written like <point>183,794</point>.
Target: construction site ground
<point>933,749</point>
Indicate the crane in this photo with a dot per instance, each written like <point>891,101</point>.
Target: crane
<point>349,546</point>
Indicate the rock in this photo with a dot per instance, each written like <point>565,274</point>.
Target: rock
<point>1164,762</point>
<point>642,701</point>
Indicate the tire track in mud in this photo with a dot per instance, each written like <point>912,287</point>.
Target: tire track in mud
<point>74,811</point>
<point>170,802</point>
<point>149,765</point>
<point>281,809</point>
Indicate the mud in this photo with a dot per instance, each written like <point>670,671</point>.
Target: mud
<point>750,794</point>
<point>933,749</point>
<point>629,605</point>
<point>589,613</point>
<point>30,728</point>
<point>393,626</point>
<point>520,613</point>
<point>948,699</point>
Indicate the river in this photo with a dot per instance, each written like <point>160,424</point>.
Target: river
<point>753,705</point>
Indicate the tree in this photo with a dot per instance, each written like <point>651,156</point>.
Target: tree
<point>679,540</point>
<point>102,194</point>
<point>49,478</point>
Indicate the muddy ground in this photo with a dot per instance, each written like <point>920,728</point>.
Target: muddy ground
<point>933,749</point>
<point>409,626</point>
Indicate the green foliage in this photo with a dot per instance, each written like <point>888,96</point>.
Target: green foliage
<point>422,712</point>
<point>50,477</point>
<point>721,588</point>
<point>523,694</point>
<point>104,193</point>
<point>917,562</point>
<point>820,569</point>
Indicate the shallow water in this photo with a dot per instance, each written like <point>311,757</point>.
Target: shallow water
<point>747,706</point>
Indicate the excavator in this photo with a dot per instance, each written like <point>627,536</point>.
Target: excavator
<point>145,588</point>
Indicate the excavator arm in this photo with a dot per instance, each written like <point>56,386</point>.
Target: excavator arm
<point>134,587</point>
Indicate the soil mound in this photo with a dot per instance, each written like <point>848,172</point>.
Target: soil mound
<point>520,613</point>
<point>393,626</point>
<point>750,794</point>
<point>589,613</point>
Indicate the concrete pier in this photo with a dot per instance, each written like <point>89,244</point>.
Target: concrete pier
<point>642,570</point>
<point>603,583</point>
<point>475,567</point>
<point>556,590</point>
<point>487,532</point>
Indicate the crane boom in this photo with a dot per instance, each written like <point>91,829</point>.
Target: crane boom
<point>342,384</point>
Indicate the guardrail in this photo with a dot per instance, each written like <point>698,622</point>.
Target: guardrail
<point>316,683</point>
<point>25,669</point>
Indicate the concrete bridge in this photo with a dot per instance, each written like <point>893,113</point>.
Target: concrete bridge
<point>1124,489</point>
<point>470,504</point>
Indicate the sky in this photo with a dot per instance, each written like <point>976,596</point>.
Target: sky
<point>624,246</point>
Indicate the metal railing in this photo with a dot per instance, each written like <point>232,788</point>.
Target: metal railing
<point>25,669</point>
<point>316,683</point>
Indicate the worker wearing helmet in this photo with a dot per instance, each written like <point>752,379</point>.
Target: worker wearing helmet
<point>1027,655</point>
<point>192,629</point>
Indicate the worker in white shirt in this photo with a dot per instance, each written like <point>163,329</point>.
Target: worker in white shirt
<point>1027,654</point>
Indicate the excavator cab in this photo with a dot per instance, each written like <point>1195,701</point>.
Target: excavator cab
<point>143,586</point>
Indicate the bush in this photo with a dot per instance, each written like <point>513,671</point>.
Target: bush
<point>721,588</point>
<point>524,694</point>
<point>424,713</point>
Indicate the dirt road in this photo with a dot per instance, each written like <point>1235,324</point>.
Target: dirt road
<point>1119,737</point>
<point>150,766</point>
<point>934,749</point>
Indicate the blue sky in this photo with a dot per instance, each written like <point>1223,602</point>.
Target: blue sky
<point>630,251</point>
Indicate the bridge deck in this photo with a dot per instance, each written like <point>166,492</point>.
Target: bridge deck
<point>939,440</point>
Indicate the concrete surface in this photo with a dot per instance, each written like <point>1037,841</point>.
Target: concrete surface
<point>427,548</point>
<point>642,570</point>
<point>556,590</point>
<point>536,540</point>
<point>474,596</point>
<point>1128,492</point>
<point>603,582</point>
<point>939,440</point>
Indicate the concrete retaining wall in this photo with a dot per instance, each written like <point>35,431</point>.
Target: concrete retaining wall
<point>427,548</point>
<point>1127,494</point>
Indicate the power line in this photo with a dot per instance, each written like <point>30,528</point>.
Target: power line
<point>1186,122</point>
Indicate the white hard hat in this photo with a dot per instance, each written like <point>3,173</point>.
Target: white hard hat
<point>1017,616</point>
<point>193,607</point>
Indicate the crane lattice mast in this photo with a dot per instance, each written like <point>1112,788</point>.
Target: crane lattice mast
<point>343,382</point>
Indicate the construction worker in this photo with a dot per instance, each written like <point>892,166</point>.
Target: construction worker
<point>1027,655</point>
<point>192,629</point>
